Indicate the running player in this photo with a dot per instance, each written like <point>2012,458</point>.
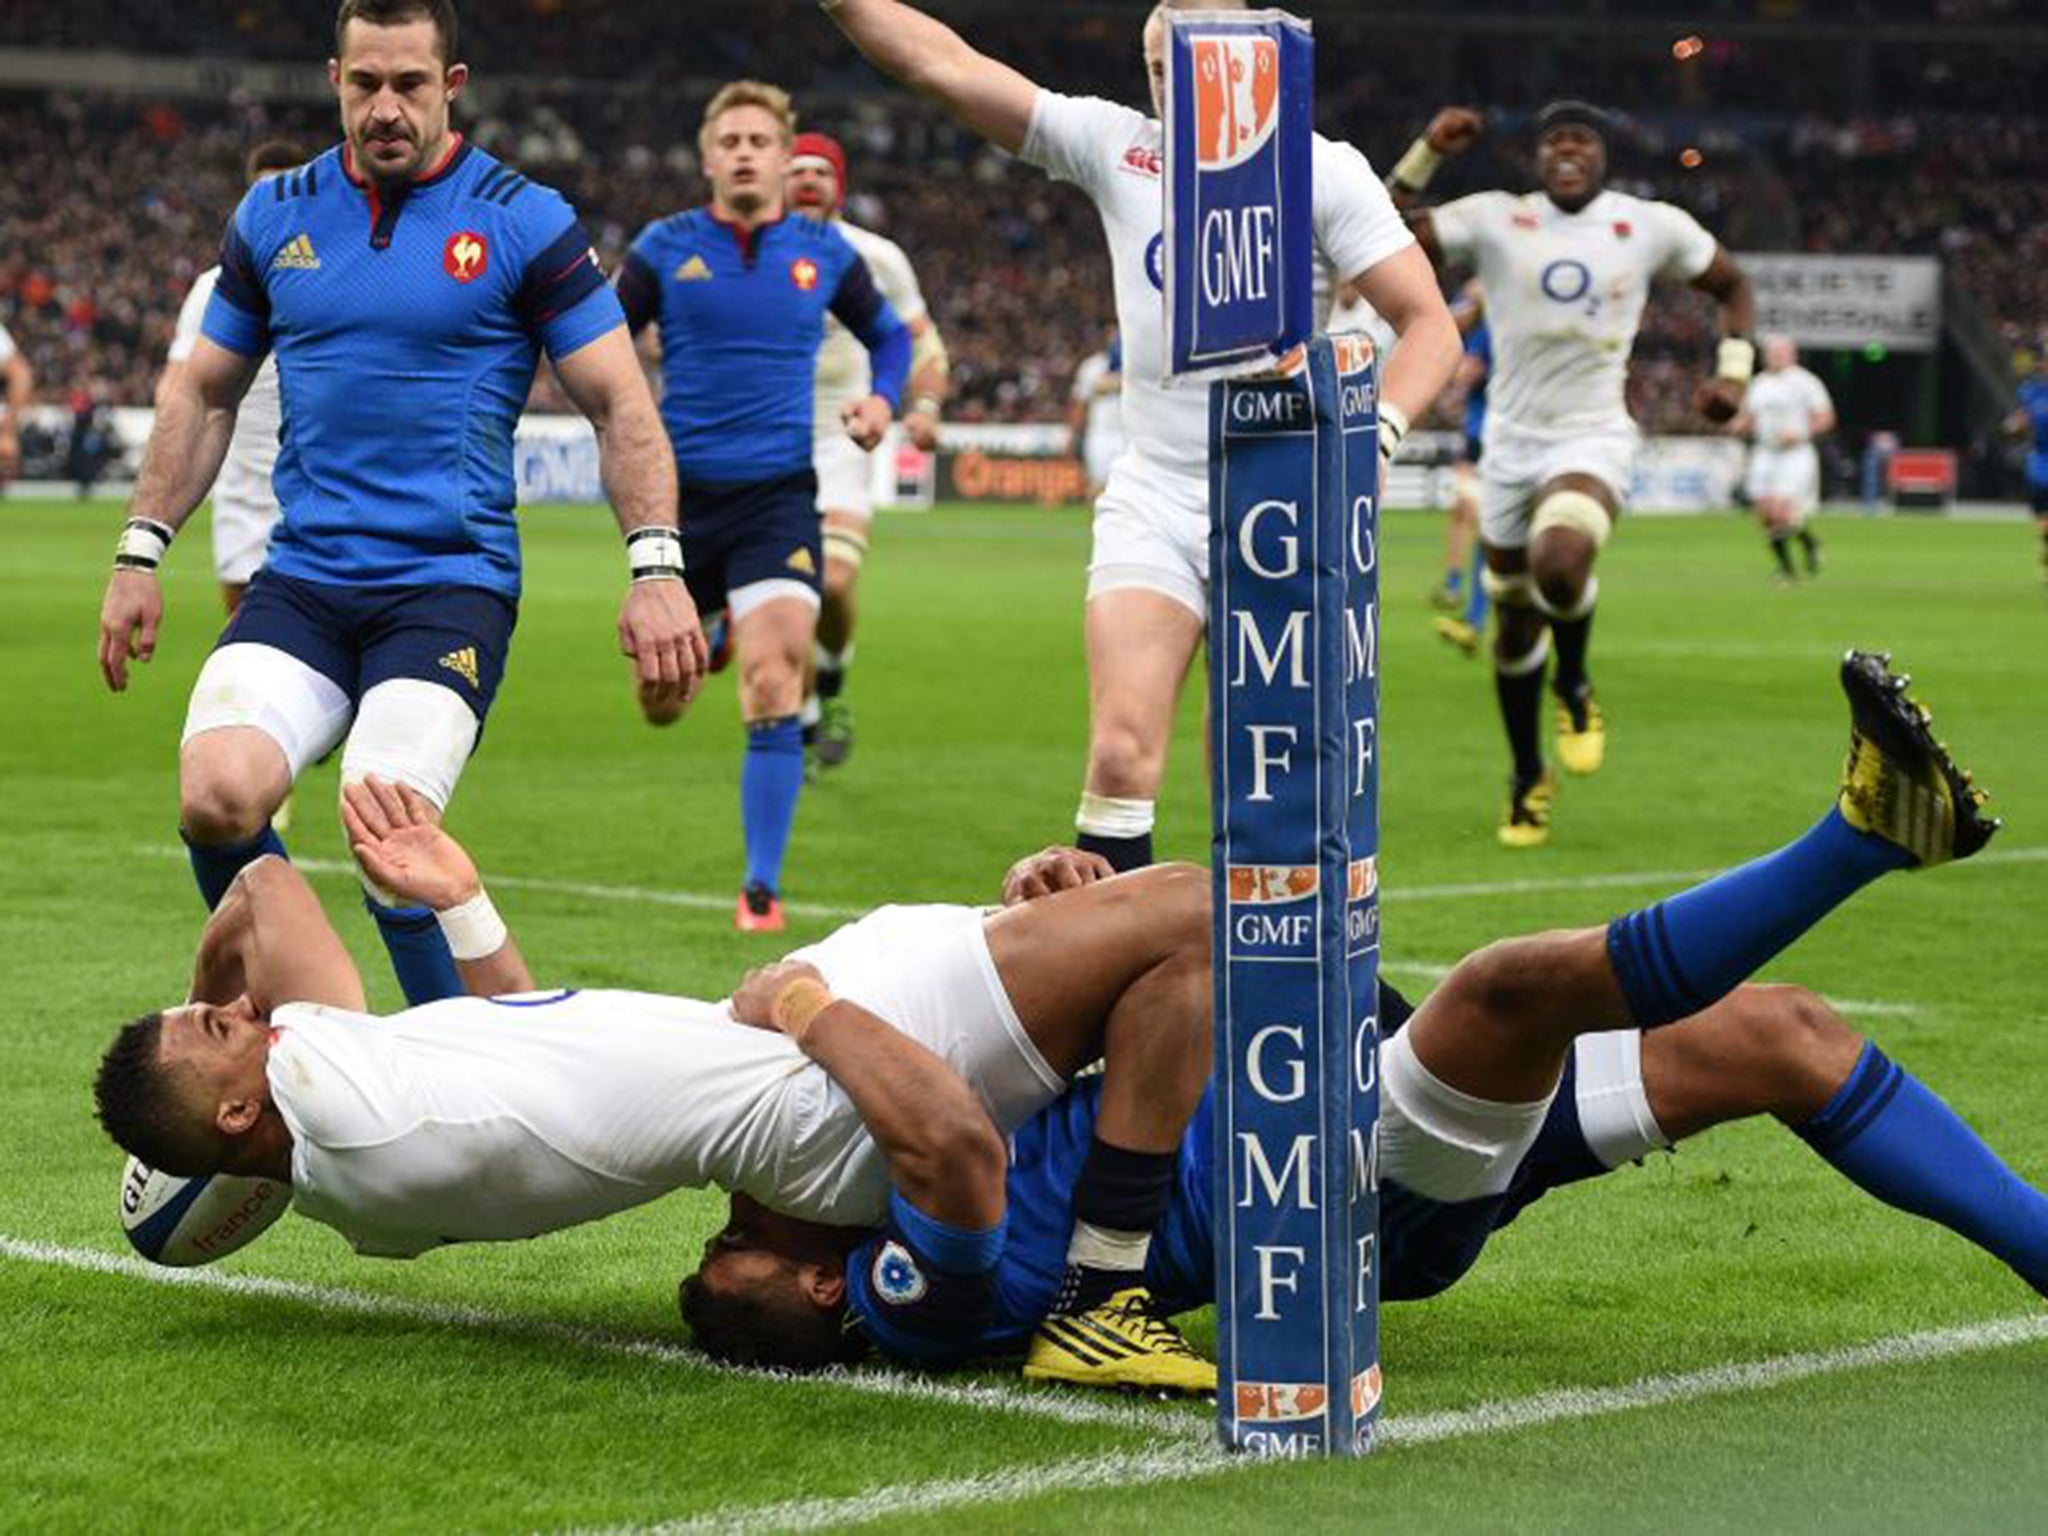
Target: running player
<point>2031,420</point>
<point>740,295</point>
<point>1783,411</point>
<point>20,384</point>
<point>1539,1062</point>
<point>1465,583</point>
<point>407,282</point>
<point>1566,272</point>
<point>817,189</point>
<point>1148,578</point>
<point>244,504</point>
<point>1095,412</point>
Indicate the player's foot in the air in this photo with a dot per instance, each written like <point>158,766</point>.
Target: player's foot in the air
<point>1527,822</point>
<point>1901,784</point>
<point>1581,731</point>
<point>835,732</point>
<point>1455,631</point>
<point>758,910</point>
<point>1124,1344</point>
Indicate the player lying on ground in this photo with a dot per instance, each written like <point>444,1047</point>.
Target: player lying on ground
<point>1538,1062</point>
<point>500,1117</point>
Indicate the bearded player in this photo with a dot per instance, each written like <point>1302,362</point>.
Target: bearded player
<point>1566,272</point>
<point>1148,577</point>
<point>817,189</point>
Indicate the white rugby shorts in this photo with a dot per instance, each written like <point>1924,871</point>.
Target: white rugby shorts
<point>1152,534</point>
<point>1516,464</point>
<point>241,536</point>
<point>927,970</point>
<point>1785,474</point>
<point>1450,1147</point>
<point>844,472</point>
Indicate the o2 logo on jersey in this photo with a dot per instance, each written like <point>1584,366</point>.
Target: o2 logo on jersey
<point>466,256</point>
<point>897,1278</point>
<point>1237,98</point>
<point>804,273</point>
<point>1568,282</point>
<point>1155,262</point>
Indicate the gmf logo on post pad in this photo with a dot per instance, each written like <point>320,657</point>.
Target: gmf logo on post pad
<point>1237,98</point>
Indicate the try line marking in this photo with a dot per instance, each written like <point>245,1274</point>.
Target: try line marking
<point>1396,894</point>
<point>1188,1462</point>
<point>971,1395</point>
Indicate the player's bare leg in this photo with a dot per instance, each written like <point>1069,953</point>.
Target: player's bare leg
<point>1521,652</point>
<point>231,782</point>
<point>1573,516</point>
<point>846,547</point>
<point>1140,645</point>
<point>1463,616</point>
<point>772,641</point>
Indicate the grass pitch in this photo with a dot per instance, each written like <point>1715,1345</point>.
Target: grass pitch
<point>540,1386</point>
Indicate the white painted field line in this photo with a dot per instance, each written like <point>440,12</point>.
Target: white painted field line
<point>1394,893</point>
<point>1434,971</point>
<point>1043,1405</point>
<point>1183,1463</point>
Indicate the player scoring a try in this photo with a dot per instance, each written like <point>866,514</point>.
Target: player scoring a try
<point>817,189</point>
<point>406,282</point>
<point>1566,272</point>
<point>1148,577</point>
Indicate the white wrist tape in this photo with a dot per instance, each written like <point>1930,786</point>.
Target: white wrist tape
<point>1735,359</point>
<point>1414,169</point>
<point>1393,427</point>
<point>474,930</point>
<point>655,554</point>
<point>141,545</point>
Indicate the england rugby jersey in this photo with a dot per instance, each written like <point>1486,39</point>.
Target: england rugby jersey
<point>844,373</point>
<point>1113,154</point>
<point>244,479</point>
<point>1564,295</point>
<point>487,1119</point>
<point>1782,403</point>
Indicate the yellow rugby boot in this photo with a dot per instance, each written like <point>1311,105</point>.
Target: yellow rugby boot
<point>1457,632</point>
<point>1899,783</point>
<point>1125,1345</point>
<point>1527,822</point>
<point>1581,733</point>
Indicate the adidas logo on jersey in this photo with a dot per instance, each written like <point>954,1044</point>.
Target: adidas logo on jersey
<point>463,664</point>
<point>693,271</point>
<point>298,256</point>
<point>802,563</point>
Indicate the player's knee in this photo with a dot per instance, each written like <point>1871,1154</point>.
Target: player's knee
<point>771,685</point>
<point>1177,896</point>
<point>1804,1050</point>
<point>1507,985</point>
<point>217,807</point>
<point>1123,763</point>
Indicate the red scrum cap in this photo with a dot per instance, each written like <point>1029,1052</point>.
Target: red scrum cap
<point>821,149</point>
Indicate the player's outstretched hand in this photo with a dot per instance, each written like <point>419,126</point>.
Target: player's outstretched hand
<point>129,616</point>
<point>1454,130</point>
<point>866,420</point>
<point>754,1002</point>
<point>660,630</point>
<point>1718,400</point>
<point>395,834</point>
<point>1051,871</point>
<point>922,428</point>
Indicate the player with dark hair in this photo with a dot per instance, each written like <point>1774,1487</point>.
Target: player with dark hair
<point>1566,271</point>
<point>407,283</point>
<point>1539,1062</point>
<point>739,293</point>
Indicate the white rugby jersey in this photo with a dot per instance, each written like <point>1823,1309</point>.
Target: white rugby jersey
<point>1564,296</point>
<point>244,479</point>
<point>482,1119</point>
<point>7,347</point>
<point>1782,404</point>
<point>1113,154</point>
<point>844,373</point>
<point>1104,422</point>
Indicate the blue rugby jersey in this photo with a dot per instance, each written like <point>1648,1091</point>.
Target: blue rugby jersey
<point>741,316</point>
<point>407,331</point>
<point>1479,344</point>
<point>2034,401</point>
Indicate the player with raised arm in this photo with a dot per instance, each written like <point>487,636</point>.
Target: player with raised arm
<point>739,294</point>
<point>1095,412</point>
<point>1148,576</point>
<point>2030,420</point>
<point>1784,409</point>
<point>407,283</point>
<point>1539,1062</point>
<point>817,189</point>
<point>244,503</point>
<point>1566,271</point>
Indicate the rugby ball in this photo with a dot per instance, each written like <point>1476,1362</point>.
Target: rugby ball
<point>183,1222</point>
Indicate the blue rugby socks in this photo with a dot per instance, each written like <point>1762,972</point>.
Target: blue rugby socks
<point>1896,1141</point>
<point>1679,956</point>
<point>771,779</point>
<point>215,867</point>
<point>1475,598</point>
<point>419,955</point>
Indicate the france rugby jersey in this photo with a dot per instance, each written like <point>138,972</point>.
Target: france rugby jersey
<point>742,314</point>
<point>407,330</point>
<point>1480,345</point>
<point>2034,401</point>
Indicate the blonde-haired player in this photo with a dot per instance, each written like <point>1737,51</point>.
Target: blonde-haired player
<point>1148,578</point>
<point>1783,411</point>
<point>1566,271</point>
<point>817,189</point>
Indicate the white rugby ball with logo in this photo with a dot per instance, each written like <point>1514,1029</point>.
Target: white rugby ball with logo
<point>183,1222</point>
